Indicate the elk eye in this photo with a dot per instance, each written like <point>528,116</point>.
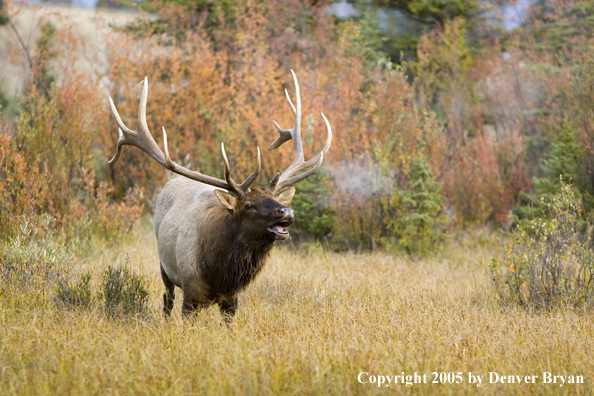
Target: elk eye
<point>248,206</point>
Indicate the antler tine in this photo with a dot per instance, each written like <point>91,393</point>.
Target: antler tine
<point>285,135</point>
<point>292,180</point>
<point>252,178</point>
<point>272,184</point>
<point>288,178</point>
<point>289,98</point>
<point>243,187</point>
<point>314,160</point>
<point>143,139</point>
<point>295,132</point>
<point>170,163</point>
<point>121,140</point>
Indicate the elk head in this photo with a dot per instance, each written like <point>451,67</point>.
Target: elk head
<point>262,215</point>
<point>262,210</point>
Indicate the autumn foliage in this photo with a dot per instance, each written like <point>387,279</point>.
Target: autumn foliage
<point>49,150</point>
<point>475,118</point>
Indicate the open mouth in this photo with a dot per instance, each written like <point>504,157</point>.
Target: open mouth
<point>278,231</point>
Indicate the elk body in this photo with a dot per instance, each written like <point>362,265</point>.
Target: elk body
<point>214,235</point>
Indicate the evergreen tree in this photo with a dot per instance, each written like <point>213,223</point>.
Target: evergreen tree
<point>3,13</point>
<point>564,161</point>
<point>420,224</point>
<point>313,215</point>
<point>404,21</point>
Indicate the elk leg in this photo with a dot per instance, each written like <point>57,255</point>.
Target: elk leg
<point>228,307</point>
<point>169,295</point>
<point>191,305</point>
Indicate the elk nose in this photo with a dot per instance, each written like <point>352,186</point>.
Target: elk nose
<point>284,212</point>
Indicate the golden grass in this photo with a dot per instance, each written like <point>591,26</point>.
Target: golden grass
<point>309,324</point>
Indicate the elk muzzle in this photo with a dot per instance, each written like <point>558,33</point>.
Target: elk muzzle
<point>285,218</point>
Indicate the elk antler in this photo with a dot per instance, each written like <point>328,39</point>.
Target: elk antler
<point>288,178</point>
<point>143,139</point>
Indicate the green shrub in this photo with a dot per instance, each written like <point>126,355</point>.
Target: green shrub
<point>365,40</point>
<point>75,293</point>
<point>565,158</point>
<point>419,224</point>
<point>3,14</point>
<point>123,293</point>
<point>553,264</point>
<point>32,260</point>
<point>313,216</point>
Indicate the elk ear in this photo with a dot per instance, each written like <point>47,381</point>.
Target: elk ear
<point>226,199</point>
<point>286,196</point>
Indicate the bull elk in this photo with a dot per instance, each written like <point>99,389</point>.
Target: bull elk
<point>215,235</point>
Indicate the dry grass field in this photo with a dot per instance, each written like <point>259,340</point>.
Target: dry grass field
<point>310,324</point>
<point>479,125</point>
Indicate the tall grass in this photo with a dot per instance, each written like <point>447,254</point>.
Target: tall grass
<point>309,324</point>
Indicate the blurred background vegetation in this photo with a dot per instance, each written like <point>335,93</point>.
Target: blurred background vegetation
<point>447,115</point>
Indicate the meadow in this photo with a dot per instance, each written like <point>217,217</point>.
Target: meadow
<point>454,142</point>
<point>309,324</point>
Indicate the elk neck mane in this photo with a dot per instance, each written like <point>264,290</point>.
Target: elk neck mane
<point>235,258</point>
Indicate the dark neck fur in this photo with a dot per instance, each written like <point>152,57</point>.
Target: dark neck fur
<point>235,263</point>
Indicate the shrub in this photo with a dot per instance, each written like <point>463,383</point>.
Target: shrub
<point>551,266</point>
<point>122,292</point>
<point>95,214</point>
<point>75,293</point>
<point>48,145</point>
<point>24,187</point>
<point>32,260</point>
<point>313,215</point>
<point>565,157</point>
<point>420,222</point>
